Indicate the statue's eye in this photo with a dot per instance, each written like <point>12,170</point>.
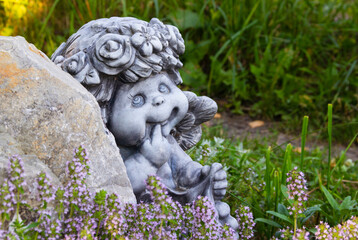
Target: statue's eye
<point>138,101</point>
<point>163,88</point>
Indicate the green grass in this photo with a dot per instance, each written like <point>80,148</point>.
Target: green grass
<point>273,59</point>
<point>257,178</point>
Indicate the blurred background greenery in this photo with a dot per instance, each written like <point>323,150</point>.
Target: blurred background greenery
<point>270,59</point>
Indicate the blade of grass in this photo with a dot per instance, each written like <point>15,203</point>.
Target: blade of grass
<point>269,222</point>
<point>268,178</point>
<point>124,8</point>
<point>330,198</point>
<point>303,140</point>
<point>281,216</point>
<point>329,113</point>
<point>277,184</point>
<point>46,20</point>
<point>156,5</point>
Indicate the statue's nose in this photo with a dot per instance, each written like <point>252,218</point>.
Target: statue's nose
<point>158,100</point>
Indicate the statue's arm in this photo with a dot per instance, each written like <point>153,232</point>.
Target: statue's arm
<point>138,170</point>
<point>185,171</point>
<point>188,173</point>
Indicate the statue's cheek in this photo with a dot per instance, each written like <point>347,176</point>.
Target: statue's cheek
<point>128,130</point>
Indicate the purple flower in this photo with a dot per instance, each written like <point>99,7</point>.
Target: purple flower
<point>246,222</point>
<point>297,191</point>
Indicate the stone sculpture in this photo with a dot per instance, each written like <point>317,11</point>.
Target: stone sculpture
<point>131,67</point>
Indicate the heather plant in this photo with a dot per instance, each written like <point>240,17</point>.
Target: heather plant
<point>171,216</point>
<point>297,194</point>
<point>203,225</point>
<point>45,197</point>
<point>246,222</point>
<point>7,201</point>
<point>288,234</point>
<point>347,230</point>
<point>72,212</point>
<point>16,177</point>
<point>267,188</point>
<point>264,176</point>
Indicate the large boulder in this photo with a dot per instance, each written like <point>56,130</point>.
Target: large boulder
<point>45,114</point>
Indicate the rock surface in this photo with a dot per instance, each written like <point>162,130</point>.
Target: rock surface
<point>45,114</point>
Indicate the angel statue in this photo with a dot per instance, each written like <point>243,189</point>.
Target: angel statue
<point>131,67</point>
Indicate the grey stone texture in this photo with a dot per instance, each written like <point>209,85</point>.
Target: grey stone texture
<point>45,114</point>
<point>132,68</point>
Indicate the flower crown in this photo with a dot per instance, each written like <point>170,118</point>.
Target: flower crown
<point>125,47</point>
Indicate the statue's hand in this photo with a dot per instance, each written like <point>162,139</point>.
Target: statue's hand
<point>156,149</point>
<point>219,179</point>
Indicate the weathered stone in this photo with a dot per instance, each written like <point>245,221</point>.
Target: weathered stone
<point>47,114</point>
<point>32,165</point>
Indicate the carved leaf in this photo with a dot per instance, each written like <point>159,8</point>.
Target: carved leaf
<point>154,61</point>
<point>190,138</point>
<point>92,77</point>
<point>130,76</point>
<point>187,123</point>
<point>203,108</point>
<point>141,69</point>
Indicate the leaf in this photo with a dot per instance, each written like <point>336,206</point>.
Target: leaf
<point>256,124</point>
<point>310,211</point>
<point>217,116</point>
<point>282,209</point>
<point>330,198</point>
<point>100,197</point>
<point>32,225</point>
<point>284,191</point>
<point>281,216</point>
<point>347,204</point>
<point>185,19</point>
<point>269,222</point>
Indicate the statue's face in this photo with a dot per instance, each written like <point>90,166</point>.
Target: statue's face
<point>138,107</point>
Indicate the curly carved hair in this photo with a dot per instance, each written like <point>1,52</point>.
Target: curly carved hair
<point>108,52</point>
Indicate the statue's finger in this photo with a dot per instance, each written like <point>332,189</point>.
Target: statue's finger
<point>223,209</point>
<point>157,134</point>
<point>221,175</point>
<point>145,144</point>
<point>216,167</point>
<point>232,222</point>
<point>219,194</point>
<point>205,170</point>
<point>220,185</point>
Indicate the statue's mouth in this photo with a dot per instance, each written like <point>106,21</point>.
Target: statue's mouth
<point>167,125</point>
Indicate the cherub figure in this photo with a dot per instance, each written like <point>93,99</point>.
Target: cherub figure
<point>131,67</point>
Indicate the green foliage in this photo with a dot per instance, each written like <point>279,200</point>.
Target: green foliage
<point>257,177</point>
<point>276,59</point>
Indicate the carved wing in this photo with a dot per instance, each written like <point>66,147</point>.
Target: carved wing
<point>201,109</point>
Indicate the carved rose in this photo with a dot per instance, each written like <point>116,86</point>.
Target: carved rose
<point>145,40</point>
<point>113,53</point>
<point>80,69</point>
<point>75,63</point>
